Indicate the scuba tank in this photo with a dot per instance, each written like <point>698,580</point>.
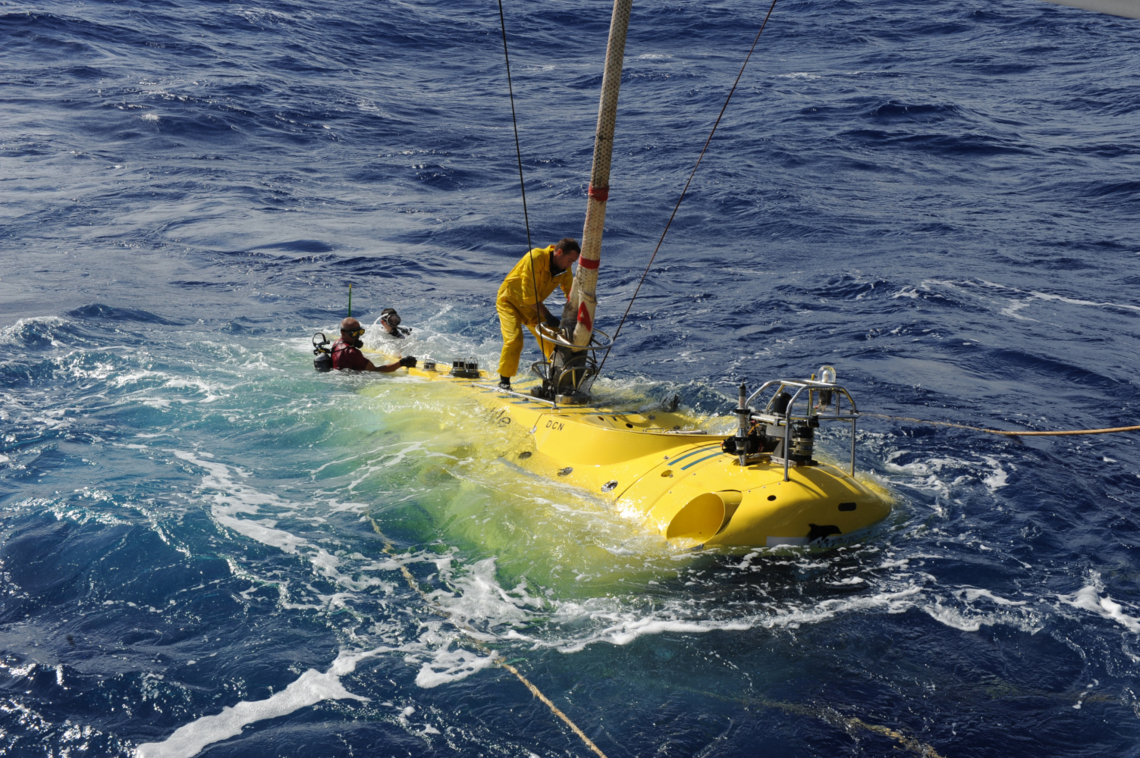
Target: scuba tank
<point>323,362</point>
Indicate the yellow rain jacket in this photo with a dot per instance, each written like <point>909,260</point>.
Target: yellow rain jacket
<point>517,305</point>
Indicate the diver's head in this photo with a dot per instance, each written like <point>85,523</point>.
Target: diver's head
<point>351,331</point>
<point>389,320</point>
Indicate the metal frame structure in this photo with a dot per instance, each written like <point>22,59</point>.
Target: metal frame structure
<point>551,335</point>
<point>812,387</point>
<point>516,393</point>
<point>589,369</point>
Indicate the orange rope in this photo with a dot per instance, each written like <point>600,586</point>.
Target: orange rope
<point>1008,434</point>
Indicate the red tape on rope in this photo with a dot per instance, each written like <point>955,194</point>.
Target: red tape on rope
<point>584,318</point>
<point>601,194</point>
<point>587,263</point>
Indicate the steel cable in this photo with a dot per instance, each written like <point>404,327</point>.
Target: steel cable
<point>522,184</point>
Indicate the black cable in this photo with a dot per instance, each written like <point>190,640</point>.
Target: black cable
<point>514,123</point>
<point>522,184</point>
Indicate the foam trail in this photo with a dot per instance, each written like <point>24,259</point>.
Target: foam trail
<point>311,688</point>
<point>451,666</point>
<point>1089,599</point>
<point>234,498</point>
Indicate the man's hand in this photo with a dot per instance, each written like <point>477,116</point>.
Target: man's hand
<point>408,361</point>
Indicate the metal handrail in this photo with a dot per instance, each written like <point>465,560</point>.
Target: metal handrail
<point>554,337</point>
<point>799,385</point>
<point>803,383</point>
<point>516,393</point>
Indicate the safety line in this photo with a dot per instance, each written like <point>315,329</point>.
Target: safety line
<point>827,715</point>
<point>390,549</point>
<point>522,184</point>
<point>686,189</point>
<point>1065,433</point>
<point>835,718</point>
<point>589,743</point>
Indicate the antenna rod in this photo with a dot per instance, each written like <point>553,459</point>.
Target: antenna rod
<point>744,417</point>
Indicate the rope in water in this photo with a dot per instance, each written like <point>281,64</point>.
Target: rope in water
<point>686,188</point>
<point>1064,433</point>
<point>831,716</point>
<point>827,715</point>
<point>389,549</point>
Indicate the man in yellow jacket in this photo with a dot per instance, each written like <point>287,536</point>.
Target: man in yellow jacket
<point>519,303</point>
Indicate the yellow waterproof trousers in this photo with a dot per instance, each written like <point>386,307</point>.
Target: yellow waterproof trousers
<point>511,323</point>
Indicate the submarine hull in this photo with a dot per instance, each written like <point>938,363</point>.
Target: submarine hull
<point>676,480</point>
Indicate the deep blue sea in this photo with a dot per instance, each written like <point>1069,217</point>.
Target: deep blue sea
<point>206,548</point>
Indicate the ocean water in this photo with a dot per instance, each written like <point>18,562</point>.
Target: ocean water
<point>206,548</point>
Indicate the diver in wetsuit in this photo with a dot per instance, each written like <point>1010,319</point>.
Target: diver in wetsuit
<point>390,325</point>
<point>346,350</point>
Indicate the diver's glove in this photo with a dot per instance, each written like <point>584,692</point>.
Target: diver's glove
<point>408,361</point>
<point>553,322</point>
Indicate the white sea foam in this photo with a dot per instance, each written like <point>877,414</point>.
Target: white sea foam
<point>237,507</point>
<point>998,477</point>
<point>479,598</point>
<point>211,391</point>
<point>954,618</point>
<point>631,630</point>
<point>450,666</point>
<point>335,506</point>
<point>9,333</point>
<point>1075,301</point>
<point>311,688</point>
<point>970,594</point>
<point>934,474</point>
<point>628,624</point>
<point>386,457</point>
<point>1088,598</point>
<point>1014,306</point>
<point>1026,297</point>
